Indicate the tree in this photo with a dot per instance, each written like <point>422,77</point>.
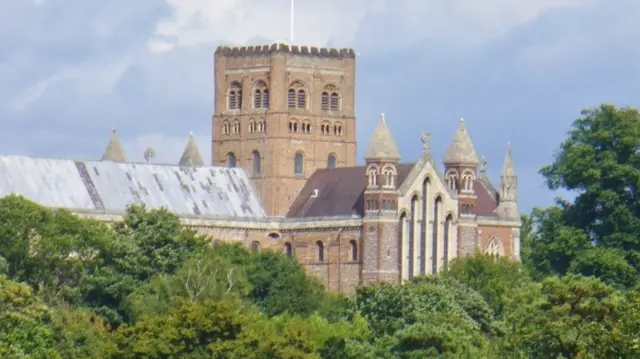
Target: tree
<point>600,162</point>
<point>572,317</point>
<point>492,279</point>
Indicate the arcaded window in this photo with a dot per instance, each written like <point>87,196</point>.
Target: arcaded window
<point>260,95</point>
<point>330,99</point>
<point>255,160</point>
<point>467,182</point>
<point>235,128</point>
<point>452,180</point>
<point>231,160</point>
<point>493,248</point>
<point>261,126</point>
<point>298,163</point>
<point>297,95</point>
<point>234,96</point>
<point>372,174</point>
<point>337,129</point>
<point>331,161</point>
<point>288,250</point>
<point>293,125</point>
<point>389,177</point>
<point>325,128</point>
<point>226,128</point>
<point>354,250</point>
<point>252,126</point>
<point>320,249</point>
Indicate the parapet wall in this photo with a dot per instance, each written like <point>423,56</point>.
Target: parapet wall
<point>320,52</point>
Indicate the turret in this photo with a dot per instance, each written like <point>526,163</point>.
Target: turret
<point>381,261</point>
<point>114,151</point>
<point>191,156</point>
<point>508,206</point>
<point>461,167</point>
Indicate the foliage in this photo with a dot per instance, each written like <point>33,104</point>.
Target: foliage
<point>145,287</point>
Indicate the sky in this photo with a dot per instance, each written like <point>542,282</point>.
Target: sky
<point>515,70</point>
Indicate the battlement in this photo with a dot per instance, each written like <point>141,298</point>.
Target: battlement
<point>320,52</point>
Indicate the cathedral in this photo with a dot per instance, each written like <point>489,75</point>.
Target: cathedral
<point>284,176</point>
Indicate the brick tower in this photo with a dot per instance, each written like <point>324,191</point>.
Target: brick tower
<point>282,111</point>
<point>461,171</point>
<point>381,243</point>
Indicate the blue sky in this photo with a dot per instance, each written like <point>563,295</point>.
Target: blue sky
<point>517,70</point>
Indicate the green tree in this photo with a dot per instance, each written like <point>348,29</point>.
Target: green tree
<point>600,163</point>
<point>572,317</point>
<point>492,279</point>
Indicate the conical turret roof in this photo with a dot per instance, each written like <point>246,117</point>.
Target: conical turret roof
<point>461,150</point>
<point>508,170</point>
<point>191,156</point>
<point>382,145</point>
<point>114,151</point>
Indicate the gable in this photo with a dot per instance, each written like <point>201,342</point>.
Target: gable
<point>340,192</point>
<point>110,187</point>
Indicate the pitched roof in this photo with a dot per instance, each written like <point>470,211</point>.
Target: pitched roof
<point>191,156</point>
<point>486,204</point>
<point>461,150</point>
<point>340,192</point>
<point>109,187</point>
<point>114,151</point>
<point>382,145</point>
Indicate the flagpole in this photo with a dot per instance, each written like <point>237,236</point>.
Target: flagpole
<point>291,30</point>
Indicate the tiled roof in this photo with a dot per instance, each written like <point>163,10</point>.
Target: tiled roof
<point>109,187</point>
<point>340,192</point>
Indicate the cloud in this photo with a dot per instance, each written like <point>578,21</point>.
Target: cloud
<point>514,69</point>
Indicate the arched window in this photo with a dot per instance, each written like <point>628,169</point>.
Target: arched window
<point>331,161</point>
<point>234,96</point>
<point>293,125</point>
<point>306,127</point>
<point>467,182</point>
<point>354,250</point>
<point>320,248</point>
<point>335,102</point>
<point>372,174</point>
<point>255,246</point>
<point>297,95</point>
<point>452,180</point>
<point>494,249</point>
<point>445,242</point>
<point>260,95</point>
<point>261,126</point>
<point>298,164</point>
<point>389,177</point>
<point>252,126</point>
<point>255,159</point>
<point>235,128</point>
<point>231,160</point>
<point>288,250</point>
<point>226,128</point>
<point>337,129</point>
<point>324,104</point>
<point>437,207</point>
<point>325,128</point>
<point>291,98</point>
<point>302,99</point>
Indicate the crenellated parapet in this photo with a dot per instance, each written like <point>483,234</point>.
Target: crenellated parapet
<point>313,51</point>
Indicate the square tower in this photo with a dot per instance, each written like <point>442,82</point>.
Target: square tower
<point>282,111</point>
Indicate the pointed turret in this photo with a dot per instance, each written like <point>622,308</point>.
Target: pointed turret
<point>461,150</point>
<point>508,206</point>
<point>382,146</point>
<point>191,156</point>
<point>114,151</point>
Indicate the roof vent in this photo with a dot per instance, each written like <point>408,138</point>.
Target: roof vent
<point>315,193</point>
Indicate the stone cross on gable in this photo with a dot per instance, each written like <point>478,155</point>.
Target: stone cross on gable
<point>426,135</point>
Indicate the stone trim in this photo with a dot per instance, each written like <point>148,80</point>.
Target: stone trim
<point>320,52</point>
